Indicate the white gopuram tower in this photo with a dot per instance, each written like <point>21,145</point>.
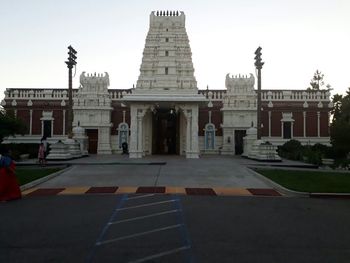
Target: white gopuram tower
<point>92,109</point>
<point>166,84</point>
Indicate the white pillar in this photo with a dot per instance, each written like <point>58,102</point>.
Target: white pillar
<point>291,129</point>
<point>64,122</point>
<point>304,125</point>
<point>30,121</point>
<point>136,147</point>
<point>192,150</point>
<point>269,123</point>
<point>188,115</point>
<point>133,132</point>
<point>318,124</point>
<point>282,129</point>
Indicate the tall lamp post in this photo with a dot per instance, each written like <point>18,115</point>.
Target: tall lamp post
<point>70,64</point>
<point>258,65</point>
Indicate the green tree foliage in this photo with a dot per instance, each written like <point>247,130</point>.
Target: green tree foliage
<point>340,127</point>
<point>317,82</point>
<point>9,125</point>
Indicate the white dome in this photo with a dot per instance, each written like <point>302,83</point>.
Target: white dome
<point>251,131</point>
<point>78,130</point>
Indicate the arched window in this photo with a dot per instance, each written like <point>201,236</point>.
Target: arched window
<point>209,136</point>
<point>123,133</point>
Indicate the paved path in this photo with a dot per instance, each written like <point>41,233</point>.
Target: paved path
<point>170,171</point>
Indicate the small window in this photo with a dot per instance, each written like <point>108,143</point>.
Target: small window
<point>166,53</point>
<point>166,71</point>
<point>166,39</point>
<point>166,30</point>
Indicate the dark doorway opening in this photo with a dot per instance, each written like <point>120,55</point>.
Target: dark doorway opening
<point>47,129</point>
<point>165,137</point>
<point>239,134</point>
<point>93,140</point>
<point>287,130</point>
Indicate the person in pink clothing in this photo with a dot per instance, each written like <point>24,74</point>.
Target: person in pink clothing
<point>41,154</point>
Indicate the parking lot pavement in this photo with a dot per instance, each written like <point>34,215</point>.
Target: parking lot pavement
<point>174,228</point>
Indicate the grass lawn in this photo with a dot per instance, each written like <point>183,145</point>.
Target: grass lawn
<point>25,175</point>
<point>310,181</point>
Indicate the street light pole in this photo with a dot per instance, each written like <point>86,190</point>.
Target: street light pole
<point>258,65</point>
<point>70,64</point>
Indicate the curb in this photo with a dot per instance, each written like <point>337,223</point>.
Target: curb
<point>293,193</point>
<point>44,179</point>
<point>330,195</point>
<point>279,187</point>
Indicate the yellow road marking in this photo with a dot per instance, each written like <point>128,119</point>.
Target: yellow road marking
<point>74,190</point>
<point>231,191</point>
<point>175,190</point>
<point>126,190</point>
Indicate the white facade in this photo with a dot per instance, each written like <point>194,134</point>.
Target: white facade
<point>239,110</point>
<point>92,108</point>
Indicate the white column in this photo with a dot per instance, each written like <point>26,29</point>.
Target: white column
<point>136,147</point>
<point>195,150</point>
<point>210,116</point>
<point>269,123</point>
<point>30,121</point>
<point>291,129</point>
<point>133,132</point>
<point>188,115</point>
<point>192,132</point>
<point>318,124</point>
<point>42,127</point>
<point>304,125</point>
<point>64,122</point>
<point>52,128</point>
<point>282,129</point>
<point>139,132</point>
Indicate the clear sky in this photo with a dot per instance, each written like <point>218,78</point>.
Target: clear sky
<point>297,37</point>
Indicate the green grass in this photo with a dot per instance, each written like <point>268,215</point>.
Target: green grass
<point>26,175</point>
<point>310,181</point>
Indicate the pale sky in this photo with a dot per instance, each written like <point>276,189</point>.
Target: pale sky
<point>297,37</point>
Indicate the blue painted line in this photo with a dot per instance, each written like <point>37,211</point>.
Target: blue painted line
<point>105,228</point>
<point>183,230</point>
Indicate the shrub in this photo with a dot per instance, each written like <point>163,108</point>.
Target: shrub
<point>292,150</point>
<point>17,149</point>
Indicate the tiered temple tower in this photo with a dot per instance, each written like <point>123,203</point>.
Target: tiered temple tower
<point>166,85</point>
<point>167,58</point>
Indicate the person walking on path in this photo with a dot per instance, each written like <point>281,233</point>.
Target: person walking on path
<point>9,188</point>
<point>41,154</point>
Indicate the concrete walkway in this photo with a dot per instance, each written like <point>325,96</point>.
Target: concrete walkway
<point>176,171</point>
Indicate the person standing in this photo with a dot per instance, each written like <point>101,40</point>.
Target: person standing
<point>9,188</point>
<point>44,142</point>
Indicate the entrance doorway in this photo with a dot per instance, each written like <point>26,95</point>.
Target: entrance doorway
<point>165,136</point>
<point>93,140</point>
<point>239,134</point>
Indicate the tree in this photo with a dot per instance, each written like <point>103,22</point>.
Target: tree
<point>9,125</point>
<point>317,81</point>
<point>340,127</point>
